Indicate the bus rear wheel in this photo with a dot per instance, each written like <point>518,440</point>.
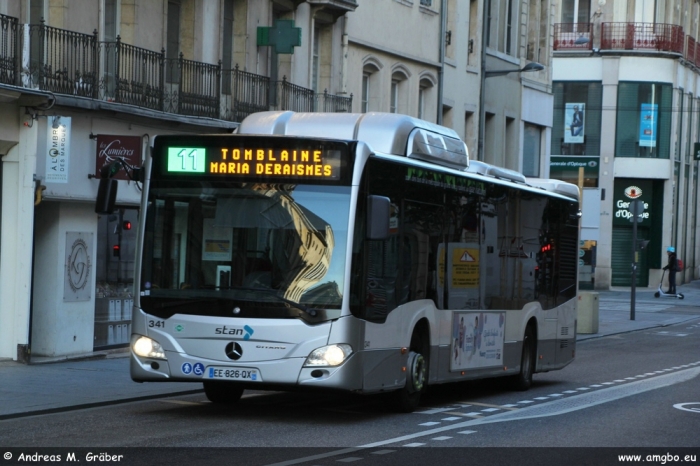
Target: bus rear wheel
<point>222,392</point>
<point>523,380</point>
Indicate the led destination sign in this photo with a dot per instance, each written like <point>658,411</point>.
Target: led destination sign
<point>321,164</point>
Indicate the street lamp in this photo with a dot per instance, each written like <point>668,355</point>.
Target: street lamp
<point>532,66</point>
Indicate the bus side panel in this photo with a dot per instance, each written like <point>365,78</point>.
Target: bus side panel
<point>379,367</point>
<point>395,333</point>
<point>566,342</point>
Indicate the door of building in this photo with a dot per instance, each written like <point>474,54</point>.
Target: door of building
<point>621,257</point>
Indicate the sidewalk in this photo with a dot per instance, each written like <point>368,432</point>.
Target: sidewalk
<point>103,378</point>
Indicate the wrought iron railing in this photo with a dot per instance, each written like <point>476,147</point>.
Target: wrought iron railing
<point>67,62</point>
<point>642,36</point>
<point>60,61</point>
<point>692,51</point>
<point>292,97</point>
<point>330,103</point>
<point>573,36</point>
<point>132,75</point>
<point>243,93</point>
<point>9,49</point>
<point>194,88</point>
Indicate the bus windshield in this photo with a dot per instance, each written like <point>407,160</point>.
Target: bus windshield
<point>277,246</point>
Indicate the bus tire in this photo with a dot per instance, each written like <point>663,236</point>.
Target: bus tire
<point>222,392</point>
<point>523,380</point>
<point>407,399</point>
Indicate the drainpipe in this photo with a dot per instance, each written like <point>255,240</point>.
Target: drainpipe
<point>482,89</point>
<point>441,71</point>
<point>344,61</point>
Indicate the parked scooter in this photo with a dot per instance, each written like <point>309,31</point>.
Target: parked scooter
<point>661,293</point>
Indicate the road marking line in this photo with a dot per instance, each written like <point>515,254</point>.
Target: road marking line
<point>182,402</point>
<point>551,408</point>
<point>453,418</point>
<point>443,437</point>
<point>382,452</point>
<point>349,459</point>
<point>428,424</point>
<point>416,444</point>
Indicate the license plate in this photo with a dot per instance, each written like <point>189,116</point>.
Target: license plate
<point>234,373</point>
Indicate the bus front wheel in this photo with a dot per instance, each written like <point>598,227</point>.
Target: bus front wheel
<point>222,392</point>
<point>523,380</point>
<point>408,398</point>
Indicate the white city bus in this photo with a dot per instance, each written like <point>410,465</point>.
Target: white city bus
<point>355,252</point>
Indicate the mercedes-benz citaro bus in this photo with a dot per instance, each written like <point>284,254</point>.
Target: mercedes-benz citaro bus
<point>355,252</point>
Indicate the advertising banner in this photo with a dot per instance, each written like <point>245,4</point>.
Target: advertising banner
<point>58,149</point>
<point>648,121</point>
<point>477,340</point>
<point>574,123</point>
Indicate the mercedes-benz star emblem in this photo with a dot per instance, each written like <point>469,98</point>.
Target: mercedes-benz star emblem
<point>234,351</point>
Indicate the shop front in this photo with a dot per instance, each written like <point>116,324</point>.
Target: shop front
<point>624,250</point>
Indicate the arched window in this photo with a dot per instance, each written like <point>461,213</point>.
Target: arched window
<point>370,99</point>
<point>398,96</point>
<point>426,97</point>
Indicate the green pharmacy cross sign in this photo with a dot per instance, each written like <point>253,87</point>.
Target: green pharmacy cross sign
<point>283,36</point>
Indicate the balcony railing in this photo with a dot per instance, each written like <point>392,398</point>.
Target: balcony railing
<point>9,49</point>
<point>573,36</point>
<point>71,63</point>
<point>243,93</point>
<point>692,51</point>
<point>621,36</point>
<point>642,36</point>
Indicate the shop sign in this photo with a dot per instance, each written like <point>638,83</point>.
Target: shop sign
<point>111,147</point>
<point>572,164</point>
<point>628,191</point>
<point>57,149</point>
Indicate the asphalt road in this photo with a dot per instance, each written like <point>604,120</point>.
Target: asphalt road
<point>623,393</point>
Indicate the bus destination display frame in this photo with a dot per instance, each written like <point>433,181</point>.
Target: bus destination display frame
<point>240,158</point>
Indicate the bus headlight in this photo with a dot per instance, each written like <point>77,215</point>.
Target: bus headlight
<point>147,347</point>
<point>331,355</point>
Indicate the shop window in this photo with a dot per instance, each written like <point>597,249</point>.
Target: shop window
<point>576,131</point>
<point>577,118</point>
<point>644,112</point>
<point>116,253</point>
<point>532,150</point>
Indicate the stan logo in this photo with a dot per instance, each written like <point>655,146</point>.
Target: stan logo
<point>633,192</point>
<point>246,332</point>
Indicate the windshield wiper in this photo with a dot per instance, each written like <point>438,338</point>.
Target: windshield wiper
<point>309,310</point>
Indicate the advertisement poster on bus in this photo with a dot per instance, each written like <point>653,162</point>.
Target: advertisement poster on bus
<point>477,340</point>
<point>647,125</point>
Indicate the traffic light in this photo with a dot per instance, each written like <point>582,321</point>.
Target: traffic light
<point>115,250</point>
<point>126,225</point>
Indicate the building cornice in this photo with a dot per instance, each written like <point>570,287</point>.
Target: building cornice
<point>390,51</point>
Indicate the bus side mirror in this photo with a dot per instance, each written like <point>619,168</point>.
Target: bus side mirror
<point>106,196</point>
<point>378,213</point>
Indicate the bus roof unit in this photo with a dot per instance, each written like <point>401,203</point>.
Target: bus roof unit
<point>556,186</point>
<point>486,169</point>
<point>410,137</point>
